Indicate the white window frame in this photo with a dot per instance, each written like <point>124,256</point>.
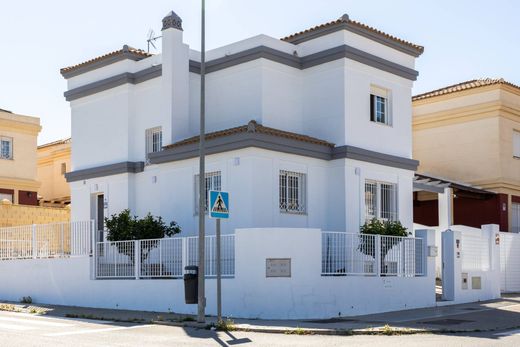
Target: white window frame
<point>292,188</point>
<point>9,155</point>
<point>374,209</point>
<point>516,144</point>
<point>153,138</point>
<point>378,95</point>
<point>213,182</point>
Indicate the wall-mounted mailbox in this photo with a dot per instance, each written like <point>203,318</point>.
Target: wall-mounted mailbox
<point>433,251</point>
<point>464,278</point>
<point>278,267</point>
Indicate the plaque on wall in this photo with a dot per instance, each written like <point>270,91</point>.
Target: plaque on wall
<point>278,267</point>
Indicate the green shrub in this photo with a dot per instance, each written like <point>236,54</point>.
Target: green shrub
<point>125,227</point>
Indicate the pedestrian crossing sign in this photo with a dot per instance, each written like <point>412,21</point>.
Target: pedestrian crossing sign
<point>219,204</point>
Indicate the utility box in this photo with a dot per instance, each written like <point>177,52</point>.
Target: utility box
<point>191,284</point>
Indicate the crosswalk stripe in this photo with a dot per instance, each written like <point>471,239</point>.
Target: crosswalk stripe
<point>91,331</point>
<point>36,322</point>
<point>15,327</point>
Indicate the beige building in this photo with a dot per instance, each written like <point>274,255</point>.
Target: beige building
<point>53,163</point>
<point>18,139</point>
<point>470,132</point>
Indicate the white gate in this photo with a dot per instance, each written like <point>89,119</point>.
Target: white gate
<point>509,262</point>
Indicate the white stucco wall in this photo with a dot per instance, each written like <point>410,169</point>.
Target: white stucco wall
<point>250,294</point>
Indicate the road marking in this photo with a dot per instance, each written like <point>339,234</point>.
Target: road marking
<point>508,333</point>
<point>15,327</point>
<point>91,331</point>
<point>37,322</point>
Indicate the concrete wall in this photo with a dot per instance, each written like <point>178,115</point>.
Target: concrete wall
<point>12,215</point>
<point>306,294</point>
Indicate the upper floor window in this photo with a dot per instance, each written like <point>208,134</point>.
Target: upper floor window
<point>213,182</point>
<point>153,140</point>
<point>380,200</point>
<point>6,147</point>
<point>379,106</point>
<point>292,192</point>
<point>516,144</point>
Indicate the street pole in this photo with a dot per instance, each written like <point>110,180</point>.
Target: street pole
<point>219,276</point>
<point>202,170</point>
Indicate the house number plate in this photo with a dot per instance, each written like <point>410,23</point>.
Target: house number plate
<point>278,267</point>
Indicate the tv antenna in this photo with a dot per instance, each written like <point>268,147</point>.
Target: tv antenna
<point>151,39</point>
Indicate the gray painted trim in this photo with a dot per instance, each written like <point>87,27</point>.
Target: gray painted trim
<point>285,145</point>
<point>101,63</point>
<point>306,62</point>
<point>112,82</point>
<point>427,187</point>
<point>366,155</point>
<point>311,35</point>
<point>105,170</point>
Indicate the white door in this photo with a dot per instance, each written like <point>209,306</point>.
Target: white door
<point>515,220</point>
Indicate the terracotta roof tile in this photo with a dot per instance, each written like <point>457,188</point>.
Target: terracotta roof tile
<point>463,86</point>
<point>58,142</point>
<point>252,127</point>
<point>137,53</point>
<point>346,19</point>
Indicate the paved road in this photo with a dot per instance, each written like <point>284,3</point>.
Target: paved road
<point>18,329</point>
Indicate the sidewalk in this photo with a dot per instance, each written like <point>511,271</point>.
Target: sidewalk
<point>492,315</point>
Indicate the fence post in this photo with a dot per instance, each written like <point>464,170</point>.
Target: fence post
<point>34,243</point>
<point>62,241</point>
<point>184,251</point>
<point>92,237</point>
<point>137,258</point>
<point>378,255</point>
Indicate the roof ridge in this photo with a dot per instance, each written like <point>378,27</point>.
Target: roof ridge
<point>56,142</point>
<point>344,19</point>
<point>461,86</point>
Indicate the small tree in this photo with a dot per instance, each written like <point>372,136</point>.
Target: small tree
<point>125,227</point>
<point>384,228</point>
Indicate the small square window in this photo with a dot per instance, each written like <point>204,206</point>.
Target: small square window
<point>6,147</point>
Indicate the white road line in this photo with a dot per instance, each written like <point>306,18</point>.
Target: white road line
<point>508,333</point>
<point>37,322</point>
<point>16,327</point>
<point>91,331</point>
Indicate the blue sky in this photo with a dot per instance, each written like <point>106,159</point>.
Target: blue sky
<point>463,39</point>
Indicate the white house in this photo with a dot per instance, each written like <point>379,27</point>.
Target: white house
<point>310,131</point>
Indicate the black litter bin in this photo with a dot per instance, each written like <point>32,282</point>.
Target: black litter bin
<point>191,284</point>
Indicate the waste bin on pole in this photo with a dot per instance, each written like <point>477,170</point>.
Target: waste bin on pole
<point>191,284</point>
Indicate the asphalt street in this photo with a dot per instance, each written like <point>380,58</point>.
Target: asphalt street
<point>20,329</point>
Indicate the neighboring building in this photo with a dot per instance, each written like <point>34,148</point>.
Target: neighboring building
<point>53,163</point>
<point>470,132</point>
<point>18,138</point>
<point>313,130</point>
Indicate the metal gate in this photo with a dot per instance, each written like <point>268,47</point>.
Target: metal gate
<point>509,262</point>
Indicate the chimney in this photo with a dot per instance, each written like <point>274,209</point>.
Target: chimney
<point>175,79</point>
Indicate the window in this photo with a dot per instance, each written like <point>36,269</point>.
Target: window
<point>516,144</point>
<point>213,182</point>
<point>380,200</point>
<point>6,196</point>
<point>515,217</point>
<point>292,192</point>
<point>6,148</point>
<point>379,106</point>
<point>63,168</point>
<point>153,140</point>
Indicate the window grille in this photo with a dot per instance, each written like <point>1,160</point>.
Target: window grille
<point>213,182</point>
<point>6,148</point>
<point>380,200</point>
<point>153,141</point>
<point>292,192</point>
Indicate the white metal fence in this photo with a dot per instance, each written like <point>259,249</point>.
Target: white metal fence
<point>161,258</point>
<point>46,240</point>
<point>372,255</point>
